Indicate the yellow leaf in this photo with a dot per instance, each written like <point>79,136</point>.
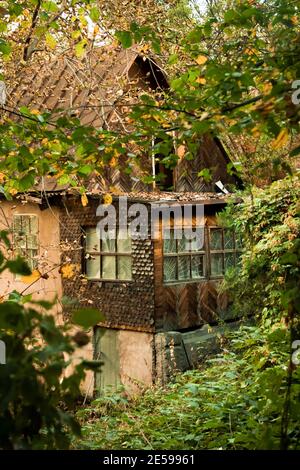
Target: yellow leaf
<point>107,199</point>
<point>2,177</point>
<point>255,132</point>
<point>181,151</point>
<point>33,277</point>
<point>35,111</point>
<point>201,80</point>
<point>67,271</point>
<point>201,59</point>
<point>281,139</point>
<point>50,41</point>
<point>84,200</point>
<point>267,88</point>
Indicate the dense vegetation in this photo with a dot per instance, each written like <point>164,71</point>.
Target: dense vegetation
<point>233,72</point>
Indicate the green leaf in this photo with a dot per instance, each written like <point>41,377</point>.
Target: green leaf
<point>18,266</point>
<point>5,48</point>
<point>295,151</point>
<point>87,317</point>
<point>125,38</point>
<point>94,14</point>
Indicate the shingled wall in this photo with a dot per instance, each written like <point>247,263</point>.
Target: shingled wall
<point>125,304</point>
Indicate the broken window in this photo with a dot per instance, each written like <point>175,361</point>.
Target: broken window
<point>25,238</point>
<point>183,260</point>
<point>224,250</point>
<point>108,259</point>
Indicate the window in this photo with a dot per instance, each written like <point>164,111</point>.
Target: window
<point>164,175</point>
<point>183,261</point>
<point>109,259</point>
<point>25,238</point>
<point>224,249</point>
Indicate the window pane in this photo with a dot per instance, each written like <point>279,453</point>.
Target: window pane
<point>184,244</point>
<point>184,267</point>
<point>124,243</point>
<point>229,261</point>
<point>92,240</point>
<point>216,264</point>
<point>238,242</point>
<point>20,242</point>
<point>170,268</point>
<point>169,242</point>
<point>216,239</point>
<point>33,229</point>
<point>228,240</point>
<point>124,267</point>
<point>93,267</point>
<point>108,267</point>
<point>25,224</point>
<point>32,259</point>
<point>197,266</point>
<point>32,242</point>
<point>108,246</point>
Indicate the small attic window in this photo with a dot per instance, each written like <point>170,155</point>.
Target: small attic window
<point>164,176</point>
<point>162,171</point>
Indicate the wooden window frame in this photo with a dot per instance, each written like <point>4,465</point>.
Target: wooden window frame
<point>206,253</point>
<point>31,258</point>
<point>116,254</point>
<point>222,251</point>
<point>181,254</point>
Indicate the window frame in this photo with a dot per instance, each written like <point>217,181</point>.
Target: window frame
<point>181,254</point>
<point>32,260</point>
<point>116,254</point>
<point>222,251</point>
<point>206,252</point>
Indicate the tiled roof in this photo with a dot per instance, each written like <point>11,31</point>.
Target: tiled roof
<point>86,87</point>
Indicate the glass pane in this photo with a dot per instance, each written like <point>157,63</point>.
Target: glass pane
<point>20,242</point>
<point>170,268</point>
<point>229,261</point>
<point>108,246</point>
<point>124,241</point>
<point>169,242</point>
<point>17,224</point>
<point>33,220</point>
<point>25,224</point>
<point>32,241</point>
<point>108,267</point>
<point>216,239</point>
<point>216,264</point>
<point>124,267</point>
<point>184,244</point>
<point>93,267</point>
<point>92,240</point>
<point>197,243</point>
<point>228,240</point>
<point>238,242</point>
<point>197,266</point>
<point>184,267</point>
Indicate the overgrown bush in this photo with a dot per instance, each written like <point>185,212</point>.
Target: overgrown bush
<point>35,392</point>
<point>235,402</point>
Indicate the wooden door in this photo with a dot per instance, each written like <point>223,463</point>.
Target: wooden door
<point>106,350</point>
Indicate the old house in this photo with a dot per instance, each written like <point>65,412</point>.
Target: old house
<point>157,293</point>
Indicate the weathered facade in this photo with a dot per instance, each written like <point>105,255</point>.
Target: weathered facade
<point>156,296</point>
